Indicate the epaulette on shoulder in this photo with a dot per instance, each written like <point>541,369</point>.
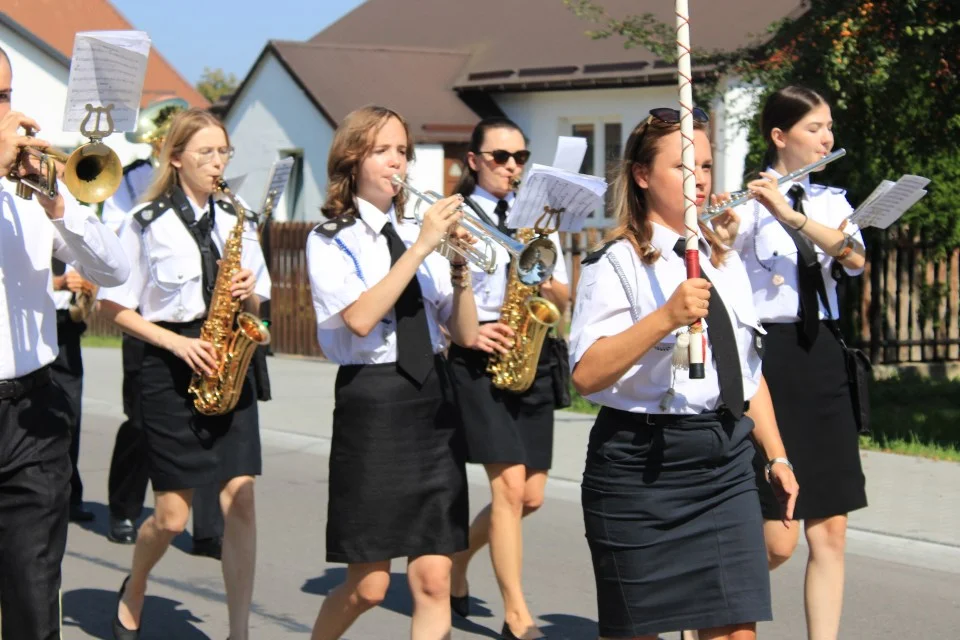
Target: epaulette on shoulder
<point>332,227</point>
<point>594,256</point>
<point>150,211</point>
<point>817,189</point>
<point>136,164</point>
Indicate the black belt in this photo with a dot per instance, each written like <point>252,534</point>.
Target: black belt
<point>17,388</point>
<point>666,419</point>
<point>181,327</point>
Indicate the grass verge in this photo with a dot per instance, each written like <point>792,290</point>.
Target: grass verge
<point>100,341</point>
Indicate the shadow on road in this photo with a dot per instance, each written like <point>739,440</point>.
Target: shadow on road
<point>93,610</point>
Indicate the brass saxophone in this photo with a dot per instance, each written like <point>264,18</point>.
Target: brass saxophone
<point>235,335</point>
<point>531,317</point>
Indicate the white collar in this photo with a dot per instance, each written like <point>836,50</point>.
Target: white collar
<point>785,187</point>
<point>374,218</point>
<point>664,239</point>
<point>480,192</point>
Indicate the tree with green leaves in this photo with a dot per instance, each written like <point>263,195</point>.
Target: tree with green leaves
<point>889,68</point>
<point>214,84</point>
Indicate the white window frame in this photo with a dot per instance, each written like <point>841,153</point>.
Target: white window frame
<point>566,125</point>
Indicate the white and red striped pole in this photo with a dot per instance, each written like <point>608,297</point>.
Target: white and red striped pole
<point>690,220</point>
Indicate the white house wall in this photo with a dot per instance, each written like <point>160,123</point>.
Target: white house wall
<point>271,115</point>
<point>40,91</point>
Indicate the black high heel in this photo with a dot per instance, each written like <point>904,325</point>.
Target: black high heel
<point>507,634</point>
<point>120,632</point>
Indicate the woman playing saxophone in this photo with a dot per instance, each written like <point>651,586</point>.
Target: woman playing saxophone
<point>174,242</point>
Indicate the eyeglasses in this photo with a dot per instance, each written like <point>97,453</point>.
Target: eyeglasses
<point>205,155</point>
<point>501,156</point>
<point>672,116</point>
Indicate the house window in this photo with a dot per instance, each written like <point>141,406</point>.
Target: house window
<point>604,148</point>
<point>294,191</point>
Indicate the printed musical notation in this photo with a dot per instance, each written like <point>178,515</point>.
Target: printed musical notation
<point>576,194</point>
<point>889,201</point>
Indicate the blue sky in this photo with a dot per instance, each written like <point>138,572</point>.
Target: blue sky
<point>228,34</point>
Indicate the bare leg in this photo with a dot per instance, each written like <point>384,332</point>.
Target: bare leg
<point>781,541</point>
<point>732,632</point>
<point>239,551</point>
<point>365,588</point>
<point>823,590</point>
<point>169,519</point>
<point>429,578</point>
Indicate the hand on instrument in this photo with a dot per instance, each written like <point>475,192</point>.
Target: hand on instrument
<point>768,194</point>
<point>242,284</point>
<point>437,221</point>
<point>461,236</point>
<point>495,337</point>
<point>688,303</point>
<point>74,282</point>
<point>11,140</point>
<point>727,224</point>
<point>199,355</point>
<point>785,487</point>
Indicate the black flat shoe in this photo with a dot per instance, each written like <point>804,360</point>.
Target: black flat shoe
<point>80,514</point>
<point>122,531</point>
<point>120,632</point>
<point>461,605</point>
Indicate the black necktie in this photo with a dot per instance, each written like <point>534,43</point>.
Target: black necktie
<point>724,342</point>
<point>808,272</point>
<point>202,232</point>
<point>414,349</point>
<point>501,213</point>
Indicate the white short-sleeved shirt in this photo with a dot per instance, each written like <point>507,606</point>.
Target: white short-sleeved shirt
<point>602,310</point>
<point>166,277</point>
<point>28,239</point>
<point>770,255</point>
<point>352,261</point>
<point>136,178</point>
<point>489,289</point>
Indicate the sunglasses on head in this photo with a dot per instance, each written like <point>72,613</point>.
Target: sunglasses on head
<point>502,157</point>
<point>672,116</point>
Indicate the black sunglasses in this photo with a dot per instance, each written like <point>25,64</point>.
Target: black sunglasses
<point>502,157</point>
<point>672,116</point>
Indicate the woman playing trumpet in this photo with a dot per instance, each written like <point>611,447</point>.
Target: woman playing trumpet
<point>381,294</point>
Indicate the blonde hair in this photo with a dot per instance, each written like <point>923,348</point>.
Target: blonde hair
<point>629,199</point>
<point>352,143</point>
<point>182,128</point>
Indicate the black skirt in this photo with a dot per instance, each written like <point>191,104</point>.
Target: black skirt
<point>502,426</point>
<point>187,449</point>
<point>398,482</point>
<point>673,523</point>
<point>811,399</point>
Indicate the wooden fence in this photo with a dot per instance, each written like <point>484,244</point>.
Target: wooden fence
<point>904,308</point>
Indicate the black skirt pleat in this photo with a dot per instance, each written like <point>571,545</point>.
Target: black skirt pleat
<point>811,399</point>
<point>186,449</point>
<point>673,524</point>
<point>398,485</point>
<point>502,426</point>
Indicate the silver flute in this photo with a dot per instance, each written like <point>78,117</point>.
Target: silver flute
<point>737,198</point>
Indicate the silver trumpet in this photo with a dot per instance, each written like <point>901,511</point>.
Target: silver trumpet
<point>737,198</point>
<point>535,261</point>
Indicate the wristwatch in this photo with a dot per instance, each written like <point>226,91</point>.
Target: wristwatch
<point>769,465</point>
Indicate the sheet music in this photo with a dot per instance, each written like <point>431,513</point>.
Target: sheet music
<point>108,67</point>
<point>279,175</point>
<point>578,194</point>
<point>889,201</point>
<point>570,153</point>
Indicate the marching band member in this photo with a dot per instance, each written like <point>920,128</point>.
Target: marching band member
<point>669,498</point>
<point>127,480</point>
<point>791,244</point>
<point>35,415</point>
<point>66,371</point>
<point>174,242</point>
<point>510,433</point>
<point>397,475</point>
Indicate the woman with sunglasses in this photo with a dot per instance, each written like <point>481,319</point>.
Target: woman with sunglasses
<point>795,246</point>
<point>669,499</point>
<point>510,433</point>
<point>174,241</point>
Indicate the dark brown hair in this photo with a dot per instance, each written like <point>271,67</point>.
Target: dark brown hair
<point>782,110</point>
<point>468,179</point>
